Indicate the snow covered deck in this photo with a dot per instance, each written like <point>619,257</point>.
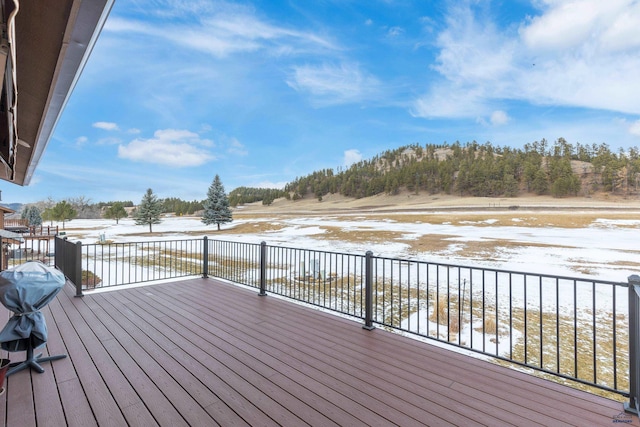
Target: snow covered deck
<point>203,352</point>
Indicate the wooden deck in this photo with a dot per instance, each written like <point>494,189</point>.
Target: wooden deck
<point>202,352</point>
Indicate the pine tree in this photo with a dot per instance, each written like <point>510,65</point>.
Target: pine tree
<point>32,215</point>
<point>149,210</point>
<point>540,183</point>
<point>216,207</point>
<point>63,211</point>
<point>47,215</point>
<point>510,186</point>
<point>116,211</point>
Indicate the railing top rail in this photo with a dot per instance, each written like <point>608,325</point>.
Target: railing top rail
<point>231,241</point>
<point>315,250</point>
<point>386,258</point>
<point>142,242</point>
<point>495,270</point>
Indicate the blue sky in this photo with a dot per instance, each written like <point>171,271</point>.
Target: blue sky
<point>261,92</point>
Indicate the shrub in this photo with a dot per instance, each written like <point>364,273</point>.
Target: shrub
<point>90,280</point>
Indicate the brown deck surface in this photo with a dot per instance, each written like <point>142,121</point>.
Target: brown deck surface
<point>202,352</point>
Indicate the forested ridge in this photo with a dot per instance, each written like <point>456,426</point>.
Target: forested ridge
<point>242,195</point>
<point>559,169</point>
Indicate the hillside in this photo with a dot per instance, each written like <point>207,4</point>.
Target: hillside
<point>407,201</point>
<point>438,175</point>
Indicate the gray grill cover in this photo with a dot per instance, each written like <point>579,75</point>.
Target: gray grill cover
<point>24,290</point>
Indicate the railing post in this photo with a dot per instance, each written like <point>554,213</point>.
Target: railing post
<point>263,269</point>
<point>77,268</point>
<point>58,253</point>
<point>634,345</point>
<point>368,291</point>
<point>205,258</point>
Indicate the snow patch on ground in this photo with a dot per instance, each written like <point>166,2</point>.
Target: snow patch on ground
<point>607,252</point>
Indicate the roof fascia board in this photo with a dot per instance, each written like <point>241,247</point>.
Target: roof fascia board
<point>85,24</point>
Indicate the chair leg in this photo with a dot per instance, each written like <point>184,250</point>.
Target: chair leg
<point>32,362</point>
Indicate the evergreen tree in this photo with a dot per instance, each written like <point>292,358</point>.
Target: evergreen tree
<point>63,211</point>
<point>32,214</point>
<point>149,210</point>
<point>540,183</point>
<point>510,186</point>
<point>47,215</point>
<point>115,211</point>
<point>268,200</point>
<point>216,207</point>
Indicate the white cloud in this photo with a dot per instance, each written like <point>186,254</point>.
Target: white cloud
<point>395,31</point>
<point>568,24</point>
<point>221,31</point>
<point>496,118</point>
<point>237,148</point>
<point>270,184</point>
<point>333,84</point>
<point>499,117</point>
<point>109,141</point>
<point>105,125</point>
<point>564,25</point>
<point>578,53</point>
<point>624,32</point>
<point>351,156</point>
<point>474,59</point>
<point>634,129</point>
<point>81,140</point>
<point>172,147</point>
<point>204,128</point>
<point>593,61</point>
<point>451,101</point>
<point>473,51</point>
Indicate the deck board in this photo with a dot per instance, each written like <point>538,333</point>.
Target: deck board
<point>348,378</point>
<point>205,352</point>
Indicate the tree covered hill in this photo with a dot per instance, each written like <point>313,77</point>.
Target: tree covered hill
<point>482,170</point>
<point>559,169</point>
<point>242,195</point>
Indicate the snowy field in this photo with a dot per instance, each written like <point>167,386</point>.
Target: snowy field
<point>607,249</point>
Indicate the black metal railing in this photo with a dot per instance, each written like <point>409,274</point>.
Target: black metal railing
<point>235,261</point>
<point>97,265</point>
<point>633,405</point>
<point>33,249</point>
<point>15,257</point>
<point>330,280</point>
<point>68,259</point>
<point>573,328</point>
